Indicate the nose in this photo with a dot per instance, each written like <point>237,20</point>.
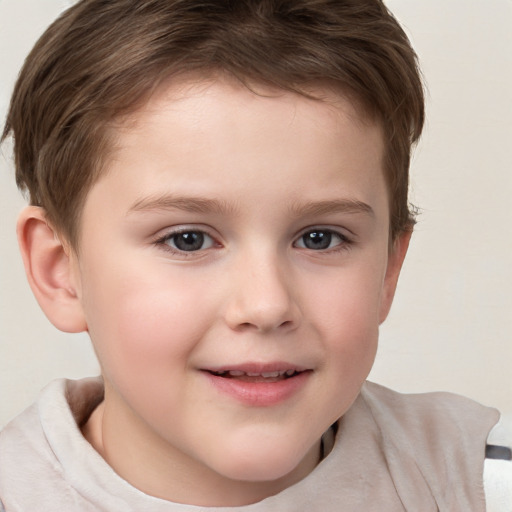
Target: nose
<point>262,297</point>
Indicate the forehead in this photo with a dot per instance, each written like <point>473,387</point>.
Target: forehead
<point>194,135</point>
<point>222,94</point>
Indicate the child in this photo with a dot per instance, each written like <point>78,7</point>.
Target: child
<point>219,198</point>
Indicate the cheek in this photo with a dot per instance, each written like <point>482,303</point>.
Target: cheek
<point>348,300</point>
<point>140,324</point>
<point>351,338</point>
<point>144,335</point>
<point>346,315</point>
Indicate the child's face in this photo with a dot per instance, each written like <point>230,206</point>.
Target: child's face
<point>239,233</point>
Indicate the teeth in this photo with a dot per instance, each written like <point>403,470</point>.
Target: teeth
<point>271,374</point>
<point>266,375</point>
<point>236,373</point>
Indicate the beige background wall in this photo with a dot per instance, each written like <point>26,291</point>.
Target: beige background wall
<point>451,324</point>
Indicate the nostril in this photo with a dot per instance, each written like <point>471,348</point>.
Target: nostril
<point>261,326</point>
<point>251,311</point>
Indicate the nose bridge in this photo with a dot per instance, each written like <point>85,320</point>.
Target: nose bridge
<point>262,293</point>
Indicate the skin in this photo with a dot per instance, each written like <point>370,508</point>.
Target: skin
<point>256,175</point>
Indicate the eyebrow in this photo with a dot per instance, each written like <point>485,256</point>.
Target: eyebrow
<point>203,205</point>
<point>317,208</point>
<point>187,204</point>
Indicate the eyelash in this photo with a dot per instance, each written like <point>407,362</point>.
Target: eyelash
<point>163,242</point>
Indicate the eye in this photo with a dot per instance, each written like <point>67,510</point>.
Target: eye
<point>321,240</point>
<point>187,241</point>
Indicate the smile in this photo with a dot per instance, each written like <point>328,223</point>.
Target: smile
<point>274,376</point>
<point>261,386</point>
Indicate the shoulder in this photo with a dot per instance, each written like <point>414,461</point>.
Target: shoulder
<point>38,445</point>
<point>430,414</point>
<point>441,423</point>
<point>25,455</point>
<point>25,432</point>
<point>25,437</point>
<point>61,407</point>
<point>441,435</point>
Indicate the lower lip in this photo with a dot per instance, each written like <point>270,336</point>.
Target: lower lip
<point>259,394</point>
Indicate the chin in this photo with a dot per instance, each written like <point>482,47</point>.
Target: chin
<point>268,464</point>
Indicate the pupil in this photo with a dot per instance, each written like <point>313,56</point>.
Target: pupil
<point>191,241</point>
<point>317,240</point>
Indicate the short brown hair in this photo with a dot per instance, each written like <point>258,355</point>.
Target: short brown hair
<point>101,59</point>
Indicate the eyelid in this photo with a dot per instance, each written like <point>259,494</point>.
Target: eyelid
<point>338,230</point>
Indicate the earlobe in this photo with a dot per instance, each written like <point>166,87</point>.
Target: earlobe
<point>395,262</point>
<point>50,272</point>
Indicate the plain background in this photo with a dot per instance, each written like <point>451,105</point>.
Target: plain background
<point>450,327</point>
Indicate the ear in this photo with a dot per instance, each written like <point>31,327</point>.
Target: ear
<point>395,261</point>
<point>51,269</point>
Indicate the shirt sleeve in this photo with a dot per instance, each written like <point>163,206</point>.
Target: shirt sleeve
<point>498,471</point>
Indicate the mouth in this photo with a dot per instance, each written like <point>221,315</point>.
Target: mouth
<point>248,376</point>
<point>259,385</point>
